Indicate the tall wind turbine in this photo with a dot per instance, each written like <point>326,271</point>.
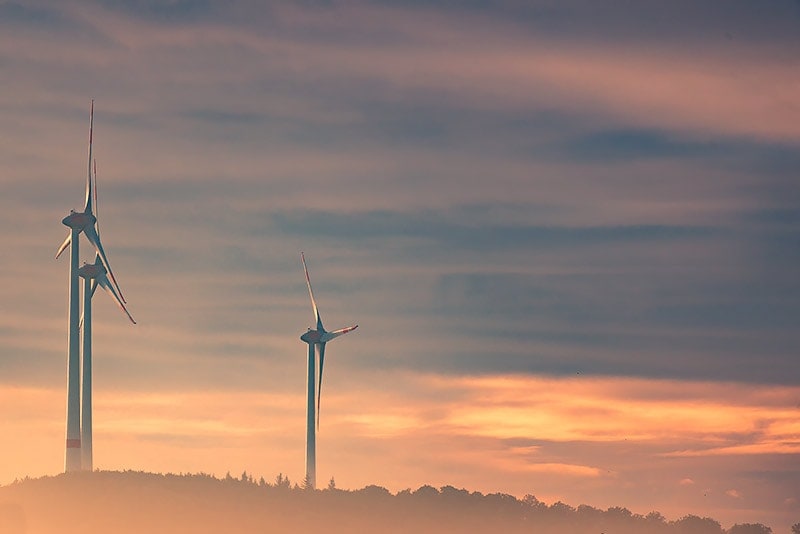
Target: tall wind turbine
<point>94,275</point>
<point>78,222</point>
<point>316,339</point>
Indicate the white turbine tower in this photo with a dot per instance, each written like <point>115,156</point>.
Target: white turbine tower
<point>316,339</point>
<point>94,275</point>
<point>78,222</point>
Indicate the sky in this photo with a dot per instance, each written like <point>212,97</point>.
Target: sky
<point>569,234</point>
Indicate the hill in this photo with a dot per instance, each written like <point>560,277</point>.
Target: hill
<point>136,502</point>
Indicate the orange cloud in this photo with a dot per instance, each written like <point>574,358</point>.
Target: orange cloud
<point>622,409</point>
<point>562,469</point>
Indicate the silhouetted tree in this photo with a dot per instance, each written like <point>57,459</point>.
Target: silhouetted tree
<point>454,496</point>
<point>619,512</point>
<point>331,484</point>
<point>282,482</point>
<point>532,501</point>
<point>562,509</point>
<point>655,523</point>
<point>749,528</point>
<point>375,491</point>
<point>586,513</point>
<point>426,491</point>
<point>796,528</point>
<point>692,524</point>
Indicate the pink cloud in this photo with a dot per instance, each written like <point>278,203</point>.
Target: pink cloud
<point>712,91</point>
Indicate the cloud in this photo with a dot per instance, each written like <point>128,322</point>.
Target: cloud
<point>512,413</point>
<point>772,447</point>
<point>431,227</point>
<point>563,469</point>
<point>507,69</point>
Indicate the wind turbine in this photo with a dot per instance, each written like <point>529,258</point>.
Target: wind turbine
<point>86,221</point>
<point>94,275</point>
<point>78,222</point>
<point>316,339</point>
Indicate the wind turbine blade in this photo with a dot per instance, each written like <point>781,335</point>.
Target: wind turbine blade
<point>311,293</point>
<point>319,387</point>
<point>102,281</point>
<point>327,336</point>
<point>64,245</point>
<point>88,205</point>
<point>94,195</point>
<point>94,239</point>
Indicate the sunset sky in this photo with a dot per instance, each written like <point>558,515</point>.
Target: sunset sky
<point>570,235</point>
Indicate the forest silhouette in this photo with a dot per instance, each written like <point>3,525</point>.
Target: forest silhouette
<point>137,502</point>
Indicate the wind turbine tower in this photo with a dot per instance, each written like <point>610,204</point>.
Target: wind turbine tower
<point>316,339</point>
<point>94,275</point>
<point>72,460</point>
<point>88,273</point>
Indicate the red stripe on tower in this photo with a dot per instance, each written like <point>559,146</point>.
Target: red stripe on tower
<point>73,444</point>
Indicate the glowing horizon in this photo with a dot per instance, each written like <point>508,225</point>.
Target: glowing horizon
<point>228,431</point>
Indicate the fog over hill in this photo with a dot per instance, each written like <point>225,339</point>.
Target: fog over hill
<point>136,502</point>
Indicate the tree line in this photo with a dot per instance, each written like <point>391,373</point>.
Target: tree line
<point>131,501</point>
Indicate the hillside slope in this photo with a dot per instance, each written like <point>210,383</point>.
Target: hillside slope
<point>134,502</point>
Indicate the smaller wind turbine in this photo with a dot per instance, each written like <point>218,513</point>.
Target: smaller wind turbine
<point>94,275</point>
<point>316,339</point>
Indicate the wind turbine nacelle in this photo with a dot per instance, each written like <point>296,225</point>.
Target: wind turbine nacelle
<point>92,270</point>
<point>312,336</point>
<point>78,220</point>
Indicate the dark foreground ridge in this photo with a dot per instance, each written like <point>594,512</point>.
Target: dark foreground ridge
<point>136,502</point>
